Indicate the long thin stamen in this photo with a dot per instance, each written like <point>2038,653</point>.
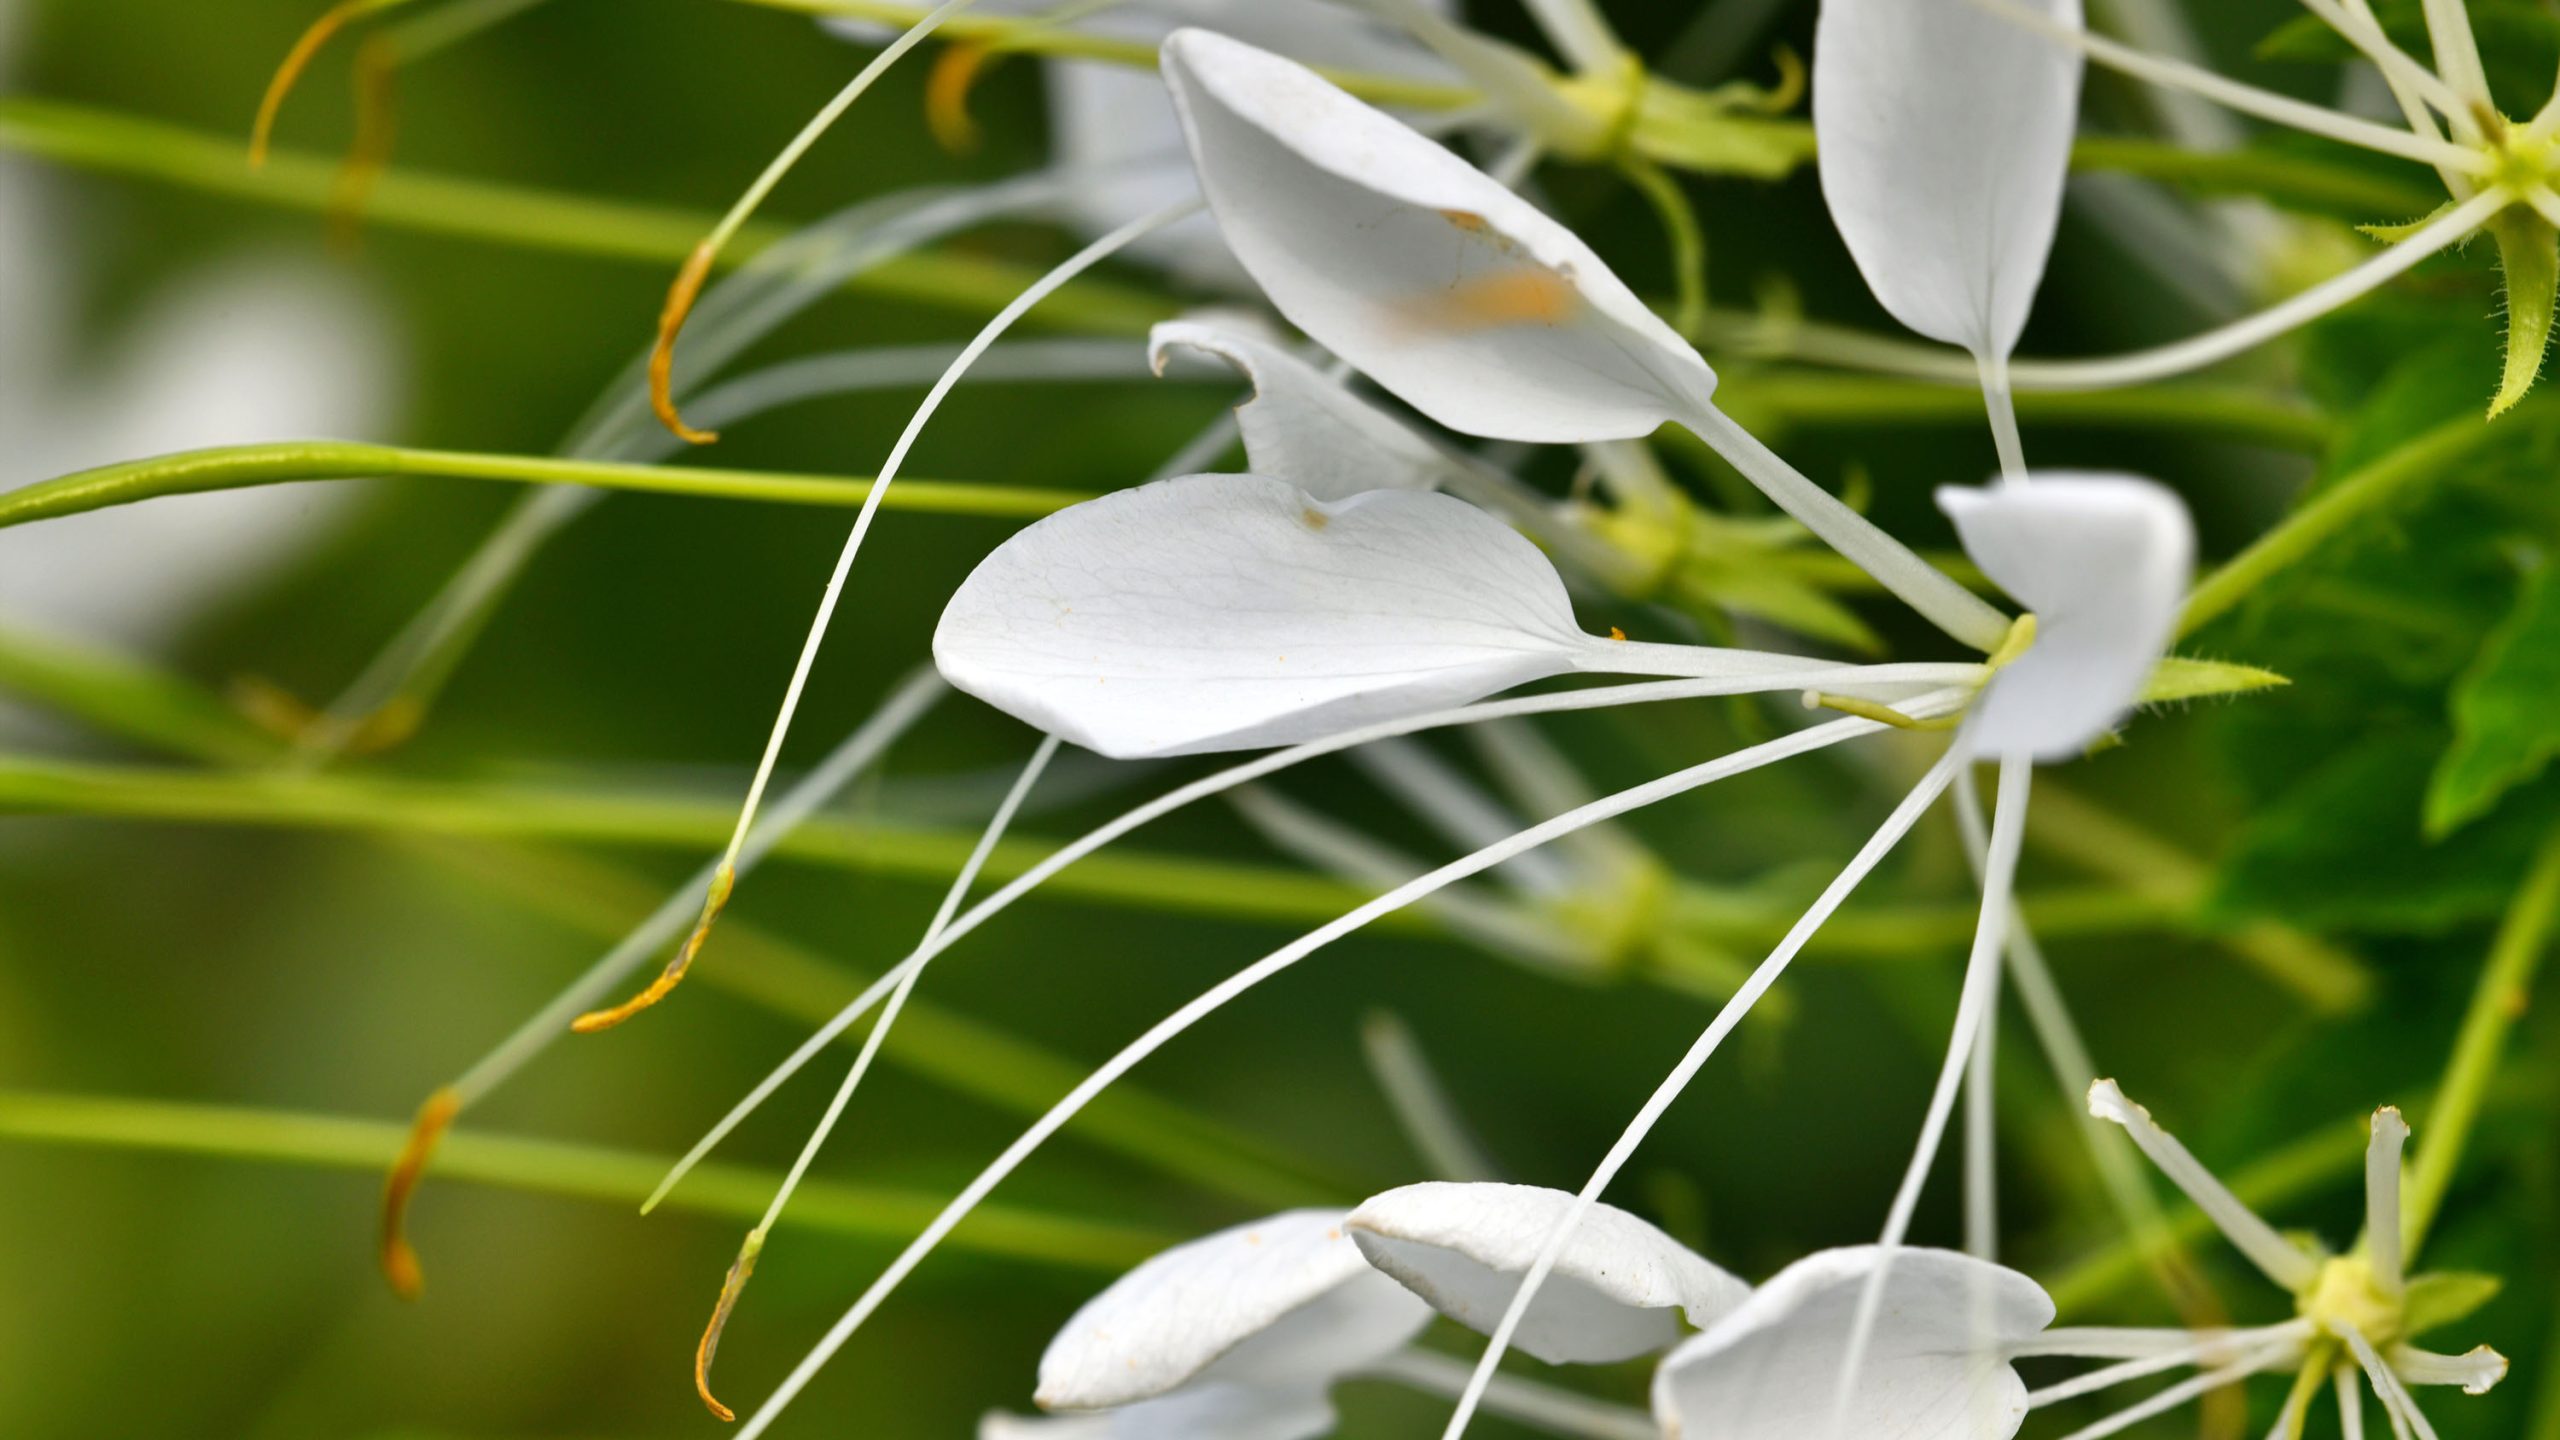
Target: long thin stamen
<point>896,715</point>
<point>1604,698</point>
<point>1981,992</point>
<point>1166,1030</point>
<point>2457,51</point>
<point>1917,583</point>
<point>2249,99</point>
<point>740,1272</point>
<point>725,875</point>
<point>1896,825</point>
<point>697,266</point>
<point>1421,1103</point>
<point>2184,1349</point>
<point>2382,1198</point>
<point>2274,1255</point>
<point>2397,1403</point>
<point>2350,1406</point>
<point>2001,402</point>
<point>2186,1390</point>
<point>2413,85</point>
<point>2196,352</point>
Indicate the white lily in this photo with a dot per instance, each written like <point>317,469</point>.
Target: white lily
<point>1621,1289</point>
<point>1937,1368</point>
<point>1906,101</point>
<point>1237,1336</point>
<point>2355,1314</point>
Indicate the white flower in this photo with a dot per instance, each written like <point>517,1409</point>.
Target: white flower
<point>1304,427</point>
<point>1620,1289</point>
<point>1936,1367</point>
<point>2356,1313</point>
<point>1238,1336</point>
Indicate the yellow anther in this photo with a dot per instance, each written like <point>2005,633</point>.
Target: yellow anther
<point>2020,639</point>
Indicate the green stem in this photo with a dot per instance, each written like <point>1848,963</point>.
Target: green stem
<point>2425,458</point>
<point>239,466</point>
<point>1776,399</point>
<point>498,213</point>
<point>2497,1002</point>
<point>546,1167</point>
<point>143,704</point>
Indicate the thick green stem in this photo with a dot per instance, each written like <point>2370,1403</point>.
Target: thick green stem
<point>545,1167</point>
<point>2425,458</point>
<point>118,144</point>
<point>2498,1001</point>
<point>239,466</point>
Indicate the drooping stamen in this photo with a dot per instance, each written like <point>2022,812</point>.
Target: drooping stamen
<point>1172,1026</point>
<point>697,266</point>
<point>2382,1199</point>
<point>1606,697</point>
<point>2264,1358</point>
<point>707,1349</point>
<point>1980,995</point>
<point>399,1257</point>
<point>956,71</point>
<point>905,706</point>
<point>994,329</point>
<point>298,59</point>
<point>2274,1255</point>
<point>724,883</point>
<point>1896,825</point>
<point>736,1283</point>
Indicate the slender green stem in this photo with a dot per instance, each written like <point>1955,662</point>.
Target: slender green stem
<point>1681,232</point>
<point>1780,398</point>
<point>2425,458</point>
<point>141,703</point>
<point>545,1167</point>
<point>498,213</point>
<point>238,466</point>
<point>2497,1002</point>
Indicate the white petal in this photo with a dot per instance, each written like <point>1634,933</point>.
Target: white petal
<point>1285,1302</point>
<point>1945,133</point>
<point>1444,287</point>
<point>1771,1369</point>
<point>1303,427</point>
<point>1233,611</point>
<point>1207,1411</point>
<point>2103,562</point>
<point>1618,1290</point>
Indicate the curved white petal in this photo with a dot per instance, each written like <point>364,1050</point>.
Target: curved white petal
<point>1618,1291</point>
<point>1221,612</point>
<point>2103,562</point>
<point>1934,1369</point>
<point>1444,287</point>
<point>1283,1303</point>
<point>1207,1411</point>
<point>1303,427</point>
<point>1945,132</point>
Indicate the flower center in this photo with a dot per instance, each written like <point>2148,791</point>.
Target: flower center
<point>2344,1294</point>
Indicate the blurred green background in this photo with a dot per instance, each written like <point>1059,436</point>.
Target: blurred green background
<point>336,973</point>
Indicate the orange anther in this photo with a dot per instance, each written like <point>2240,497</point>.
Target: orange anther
<point>297,60</point>
<point>399,1257</point>
<point>668,979</point>
<point>662,356</point>
<point>956,71</point>
<point>731,1286</point>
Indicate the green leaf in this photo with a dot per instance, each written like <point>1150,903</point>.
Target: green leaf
<point>2444,1297</point>
<point>2506,713</point>
<point>2345,848</point>
<point>2529,258</point>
